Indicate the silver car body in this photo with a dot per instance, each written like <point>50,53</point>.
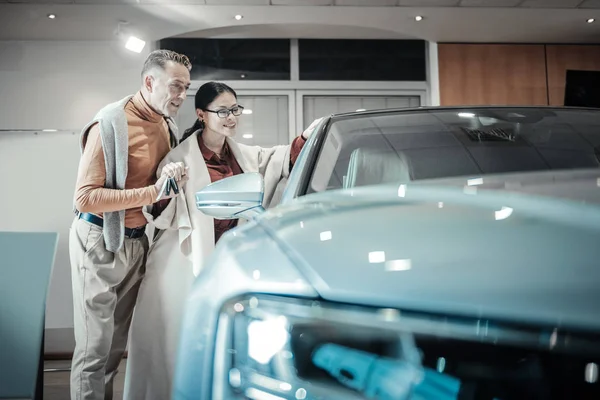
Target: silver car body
<point>441,246</point>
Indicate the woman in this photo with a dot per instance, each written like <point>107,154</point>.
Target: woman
<point>188,236</point>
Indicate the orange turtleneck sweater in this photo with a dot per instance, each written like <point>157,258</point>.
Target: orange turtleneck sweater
<point>148,145</point>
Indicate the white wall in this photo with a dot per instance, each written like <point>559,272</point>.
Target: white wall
<point>53,85</point>
<point>41,170</point>
<point>60,85</point>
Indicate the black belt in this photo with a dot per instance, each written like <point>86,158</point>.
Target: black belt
<point>132,233</point>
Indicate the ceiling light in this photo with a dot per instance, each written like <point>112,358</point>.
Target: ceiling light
<point>475,181</point>
<point>402,191</point>
<point>325,236</point>
<point>361,109</point>
<point>376,257</point>
<point>247,136</point>
<point>51,16</point>
<point>247,111</point>
<point>591,373</point>
<point>398,265</point>
<point>135,44</point>
<point>418,18</point>
<point>466,115</point>
<point>127,36</point>
<point>503,213</point>
<point>239,17</point>
<point>591,20</point>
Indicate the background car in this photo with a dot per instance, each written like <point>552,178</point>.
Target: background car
<point>416,254</point>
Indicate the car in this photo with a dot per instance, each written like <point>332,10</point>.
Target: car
<point>429,253</point>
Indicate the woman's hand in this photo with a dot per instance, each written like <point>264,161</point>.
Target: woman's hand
<point>311,128</point>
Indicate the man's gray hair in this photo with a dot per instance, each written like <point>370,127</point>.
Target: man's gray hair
<point>160,58</point>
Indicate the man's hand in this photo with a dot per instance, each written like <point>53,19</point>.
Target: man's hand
<point>172,170</point>
<point>308,131</point>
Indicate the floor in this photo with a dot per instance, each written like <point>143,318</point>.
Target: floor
<point>56,380</point>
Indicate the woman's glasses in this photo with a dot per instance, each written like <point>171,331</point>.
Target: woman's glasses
<point>224,113</point>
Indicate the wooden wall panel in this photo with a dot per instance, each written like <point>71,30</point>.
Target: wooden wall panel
<point>564,57</point>
<point>491,74</point>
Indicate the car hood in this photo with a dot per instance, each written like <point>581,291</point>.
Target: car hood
<point>487,254</point>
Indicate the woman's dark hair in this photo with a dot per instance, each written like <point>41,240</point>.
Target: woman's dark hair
<point>205,95</point>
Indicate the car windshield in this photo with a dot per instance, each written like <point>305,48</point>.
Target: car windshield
<point>403,146</point>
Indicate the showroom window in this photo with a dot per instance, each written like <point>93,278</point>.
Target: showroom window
<point>318,59</point>
<point>316,106</point>
<point>234,59</point>
<point>265,121</point>
<point>362,60</point>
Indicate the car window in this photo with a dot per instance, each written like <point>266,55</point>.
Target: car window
<point>426,144</point>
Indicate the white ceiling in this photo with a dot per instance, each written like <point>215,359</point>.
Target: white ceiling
<point>562,4</point>
<point>532,21</point>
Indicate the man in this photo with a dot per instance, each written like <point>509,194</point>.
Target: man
<point>121,150</point>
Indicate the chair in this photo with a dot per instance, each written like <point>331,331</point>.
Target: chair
<point>27,259</point>
<point>370,167</point>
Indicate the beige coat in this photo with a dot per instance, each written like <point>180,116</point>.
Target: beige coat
<point>176,257</point>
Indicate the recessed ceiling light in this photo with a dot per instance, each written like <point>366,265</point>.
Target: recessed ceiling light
<point>135,44</point>
<point>418,18</point>
<point>239,17</point>
<point>591,20</point>
<point>247,136</point>
<point>51,16</point>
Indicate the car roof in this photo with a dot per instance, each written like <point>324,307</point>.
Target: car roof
<point>454,108</point>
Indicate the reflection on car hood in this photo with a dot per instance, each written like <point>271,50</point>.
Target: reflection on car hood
<point>578,185</point>
<point>489,254</point>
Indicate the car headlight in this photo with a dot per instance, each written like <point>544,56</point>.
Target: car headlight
<point>283,348</point>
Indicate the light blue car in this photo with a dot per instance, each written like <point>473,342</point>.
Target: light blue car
<point>433,253</point>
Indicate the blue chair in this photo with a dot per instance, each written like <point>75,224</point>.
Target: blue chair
<point>26,262</point>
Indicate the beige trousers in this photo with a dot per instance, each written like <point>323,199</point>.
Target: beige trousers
<point>105,288</point>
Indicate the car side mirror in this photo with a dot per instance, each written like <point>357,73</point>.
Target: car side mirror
<point>239,196</point>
